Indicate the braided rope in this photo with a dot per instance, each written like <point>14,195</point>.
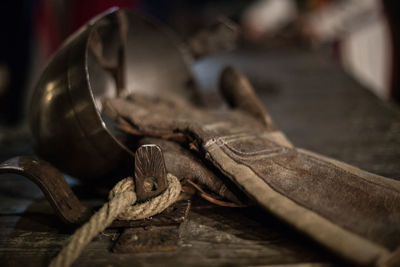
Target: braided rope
<point>121,197</point>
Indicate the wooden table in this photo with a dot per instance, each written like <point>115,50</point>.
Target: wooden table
<point>311,99</point>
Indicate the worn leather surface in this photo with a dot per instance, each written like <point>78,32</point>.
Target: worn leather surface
<point>354,213</point>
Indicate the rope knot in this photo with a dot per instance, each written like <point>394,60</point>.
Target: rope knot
<point>151,207</point>
<point>120,206</point>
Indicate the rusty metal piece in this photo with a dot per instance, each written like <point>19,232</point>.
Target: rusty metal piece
<point>159,233</point>
<point>148,239</point>
<point>52,184</point>
<point>150,172</point>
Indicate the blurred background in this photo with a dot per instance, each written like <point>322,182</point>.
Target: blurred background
<point>362,35</point>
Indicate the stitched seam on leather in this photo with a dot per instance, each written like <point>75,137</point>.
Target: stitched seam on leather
<point>281,191</point>
<point>383,251</point>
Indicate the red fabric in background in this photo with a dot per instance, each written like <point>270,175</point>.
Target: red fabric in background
<point>47,32</point>
<point>53,24</point>
<point>83,11</point>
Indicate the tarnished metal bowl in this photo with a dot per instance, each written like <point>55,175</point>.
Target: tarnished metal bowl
<point>65,112</point>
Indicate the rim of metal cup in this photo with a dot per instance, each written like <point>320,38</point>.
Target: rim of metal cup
<point>67,127</point>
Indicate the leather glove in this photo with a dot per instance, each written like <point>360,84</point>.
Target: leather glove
<point>353,213</point>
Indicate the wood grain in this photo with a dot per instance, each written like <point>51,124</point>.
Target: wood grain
<point>311,99</point>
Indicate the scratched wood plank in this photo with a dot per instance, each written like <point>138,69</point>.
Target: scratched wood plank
<point>311,99</point>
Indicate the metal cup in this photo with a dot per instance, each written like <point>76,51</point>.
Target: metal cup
<point>65,111</point>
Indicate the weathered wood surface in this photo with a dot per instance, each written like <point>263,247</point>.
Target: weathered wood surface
<point>309,97</point>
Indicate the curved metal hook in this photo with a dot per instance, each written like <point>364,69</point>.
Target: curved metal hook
<point>52,184</point>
